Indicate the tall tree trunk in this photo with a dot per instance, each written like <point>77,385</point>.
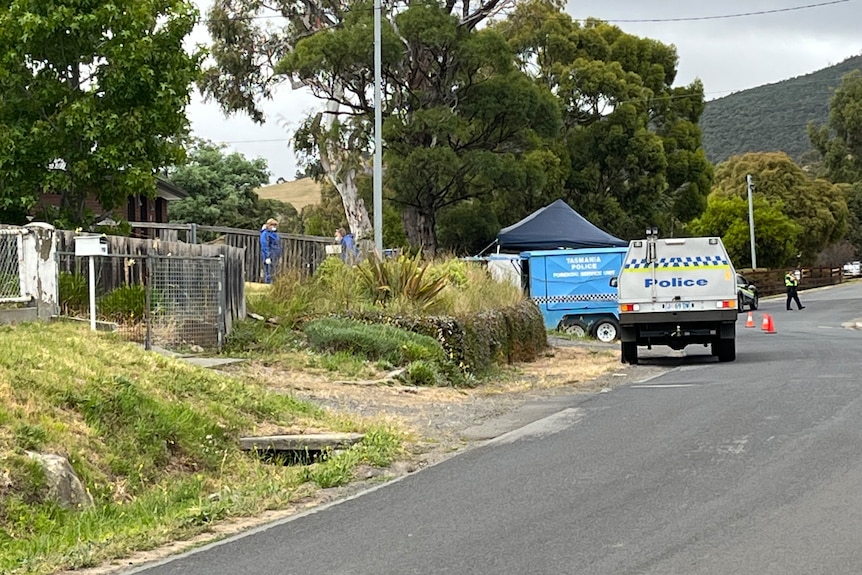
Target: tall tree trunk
<point>341,170</point>
<point>419,226</point>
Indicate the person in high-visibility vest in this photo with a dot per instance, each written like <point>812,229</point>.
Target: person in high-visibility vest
<point>791,284</point>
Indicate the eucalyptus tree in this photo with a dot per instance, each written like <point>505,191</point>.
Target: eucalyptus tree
<point>632,138</point>
<point>840,146</point>
<point>458,116</point>
<point>92,99</point>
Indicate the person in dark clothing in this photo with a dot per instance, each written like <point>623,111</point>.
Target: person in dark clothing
<point>270,248</point>
<point>349,250</point>
<point>791,283</point>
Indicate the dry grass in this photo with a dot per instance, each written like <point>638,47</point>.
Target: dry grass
<point>298,193</point>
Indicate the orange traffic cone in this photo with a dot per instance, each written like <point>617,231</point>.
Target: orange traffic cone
<point>764,325</point>
<point>750,321</point>
<point>770,326</point>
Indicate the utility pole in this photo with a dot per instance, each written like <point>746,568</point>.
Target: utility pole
<point>377,177</point>
<point>751,220</point>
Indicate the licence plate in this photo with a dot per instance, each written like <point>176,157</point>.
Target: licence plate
<point>677,305</point>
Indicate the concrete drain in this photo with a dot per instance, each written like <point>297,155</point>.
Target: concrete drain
<point>298,449</point>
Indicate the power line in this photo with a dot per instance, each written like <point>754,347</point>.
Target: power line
<point>610,20</point>
<point>723,16</point>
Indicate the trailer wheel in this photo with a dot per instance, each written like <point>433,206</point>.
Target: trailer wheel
<point>573,327</point>
<point>606,330</point>
<point>629,352</point>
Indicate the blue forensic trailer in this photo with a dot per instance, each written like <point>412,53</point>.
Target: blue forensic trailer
<point>572,288</point>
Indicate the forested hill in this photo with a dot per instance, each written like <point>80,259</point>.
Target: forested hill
<point>772,117</point>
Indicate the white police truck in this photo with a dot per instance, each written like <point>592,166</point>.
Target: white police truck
<point>677,292</point>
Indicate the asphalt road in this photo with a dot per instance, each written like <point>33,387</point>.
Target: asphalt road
<point>752,467</point>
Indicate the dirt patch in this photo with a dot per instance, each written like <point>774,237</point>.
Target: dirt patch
<point>434,414</point>
<point>434,419</point>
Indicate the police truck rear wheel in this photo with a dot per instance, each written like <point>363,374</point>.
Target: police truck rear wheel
<point>726,350</point>
<point>606,330</point>
<point>754,303</point>
<point>629,352</point>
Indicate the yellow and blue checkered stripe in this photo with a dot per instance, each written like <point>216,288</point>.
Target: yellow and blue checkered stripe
<point>576,298</point>
<point>688,262</point>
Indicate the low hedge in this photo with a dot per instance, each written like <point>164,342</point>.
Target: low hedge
<point>376,342</point>
<point>478,341</point>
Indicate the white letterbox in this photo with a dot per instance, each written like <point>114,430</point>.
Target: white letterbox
<point>91,245</point>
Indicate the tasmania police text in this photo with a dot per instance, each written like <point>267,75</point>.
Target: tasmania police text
<point>676,282</point>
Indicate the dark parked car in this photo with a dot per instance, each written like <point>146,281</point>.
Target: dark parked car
<point>746,293</point>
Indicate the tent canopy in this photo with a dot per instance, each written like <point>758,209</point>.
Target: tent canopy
<point>555,226</point>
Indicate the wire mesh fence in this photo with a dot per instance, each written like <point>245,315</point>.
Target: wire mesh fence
<point>10,279</point>
<point>172,302</point>
<point>186,302</point>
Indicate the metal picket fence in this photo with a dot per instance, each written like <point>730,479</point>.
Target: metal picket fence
<point>171,302</point>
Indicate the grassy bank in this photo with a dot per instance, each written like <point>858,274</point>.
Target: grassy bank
<point>153,439</point>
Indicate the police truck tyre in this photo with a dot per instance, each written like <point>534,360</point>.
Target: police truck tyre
<point>573,327</point>
<point>726,350</point>
<point>740,306</point>
<point>606,330</point>
<point>754,303</point>
<point>629,352</point>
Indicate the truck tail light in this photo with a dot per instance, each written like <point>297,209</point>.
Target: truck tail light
<point>629,307</point>
<point>726,304</point>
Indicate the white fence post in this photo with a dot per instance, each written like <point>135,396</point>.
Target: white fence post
<point>39,268</point>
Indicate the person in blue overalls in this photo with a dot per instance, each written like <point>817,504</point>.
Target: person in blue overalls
<point>270,248</point>
<point>349,250</point>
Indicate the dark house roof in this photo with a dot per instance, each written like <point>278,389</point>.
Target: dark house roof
<point>555,226</point>
<point>169,191</point>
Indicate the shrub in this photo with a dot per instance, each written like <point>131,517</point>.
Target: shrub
<point>124,304</point>
<point>402,282</point>
<point>422,373</point>
<point>250,335</point>
<point>73,292</point>
<point>376,342</point>
<point>474,342</point>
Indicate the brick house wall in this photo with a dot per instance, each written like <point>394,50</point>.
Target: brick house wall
<point>137,208</point>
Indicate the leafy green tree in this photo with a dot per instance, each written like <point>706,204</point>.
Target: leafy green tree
<point>776,234</point>
<point>467,228</point>
<point>817,205</point>
<point>840,142</point>
<point>632,138</point>
<point>221,188</point>
<point>853,196</point>
<point>93,99</point>
<point>840,146</point>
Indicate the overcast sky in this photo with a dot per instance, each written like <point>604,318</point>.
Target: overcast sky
<point>727,54</point>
